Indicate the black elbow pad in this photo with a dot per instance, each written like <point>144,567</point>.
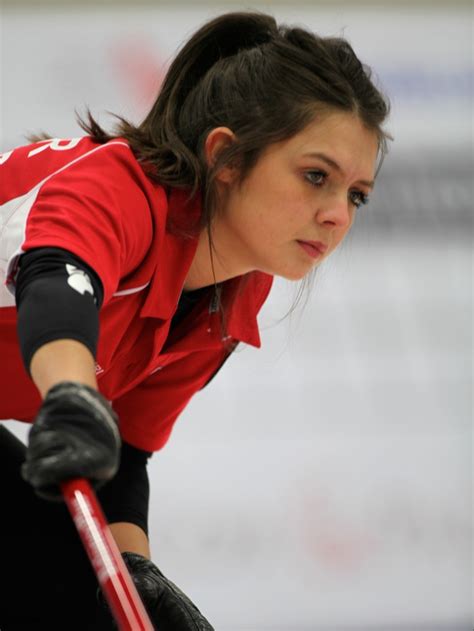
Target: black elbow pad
<point>58,296</point>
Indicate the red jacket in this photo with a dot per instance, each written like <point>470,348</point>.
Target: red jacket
<point>96,201</point>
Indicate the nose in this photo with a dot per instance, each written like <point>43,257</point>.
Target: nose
<point>335,211</point>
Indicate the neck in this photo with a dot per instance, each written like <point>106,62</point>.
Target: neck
<point>201,273</point>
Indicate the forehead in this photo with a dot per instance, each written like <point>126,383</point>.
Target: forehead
<point>343,135</point>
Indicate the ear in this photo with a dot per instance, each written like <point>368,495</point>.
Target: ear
<point>218,139</point>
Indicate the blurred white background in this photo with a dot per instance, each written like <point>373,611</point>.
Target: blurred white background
<point>323,481</point>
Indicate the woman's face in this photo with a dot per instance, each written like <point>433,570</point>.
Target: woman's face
<point>307,188</point>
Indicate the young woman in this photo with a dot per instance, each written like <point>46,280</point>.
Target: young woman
<point>134,263</point>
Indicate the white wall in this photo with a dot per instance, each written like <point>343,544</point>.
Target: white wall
<point>323,481</point>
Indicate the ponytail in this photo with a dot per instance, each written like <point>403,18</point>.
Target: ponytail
<point>172,140</point>
<point>218,39</point>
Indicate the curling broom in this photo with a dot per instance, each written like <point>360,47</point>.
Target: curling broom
<point>109,567</point>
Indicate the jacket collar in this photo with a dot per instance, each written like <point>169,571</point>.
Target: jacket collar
<point>242,296</point>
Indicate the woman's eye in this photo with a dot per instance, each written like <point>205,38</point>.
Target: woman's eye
<point>358,198</point>
<point>316,178</point>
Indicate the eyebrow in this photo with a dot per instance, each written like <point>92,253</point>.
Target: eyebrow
<point>330,162</point>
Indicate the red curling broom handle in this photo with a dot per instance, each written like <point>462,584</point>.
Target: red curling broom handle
<point>109,567</point>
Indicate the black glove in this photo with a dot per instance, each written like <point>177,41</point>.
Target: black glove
<point>168,607</point>
<point>75,434</point>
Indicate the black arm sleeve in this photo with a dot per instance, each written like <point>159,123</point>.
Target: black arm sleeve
<point>58,296</point>
<point>126,496</point>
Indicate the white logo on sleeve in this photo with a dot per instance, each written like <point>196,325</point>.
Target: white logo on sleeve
<point>79,280</point>
<point>55,145</point>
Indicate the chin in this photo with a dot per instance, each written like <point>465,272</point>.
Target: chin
<point>294,276</point>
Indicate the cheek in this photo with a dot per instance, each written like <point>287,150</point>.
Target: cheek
<point>274,205</point>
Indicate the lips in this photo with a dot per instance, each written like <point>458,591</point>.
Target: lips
<point>317,245</point>
<point>313,248</point>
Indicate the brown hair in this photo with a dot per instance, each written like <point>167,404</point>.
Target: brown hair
<point>264,81</point>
